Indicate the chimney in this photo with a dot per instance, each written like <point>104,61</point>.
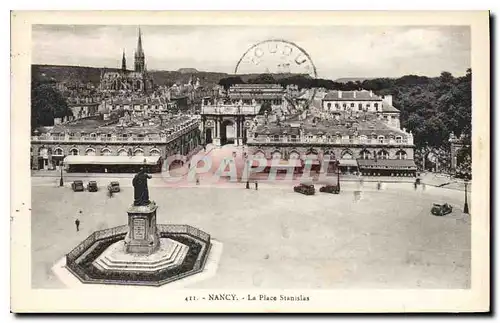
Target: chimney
<point>371,93</point>
<point>340,94</point>
<point>388,99</point>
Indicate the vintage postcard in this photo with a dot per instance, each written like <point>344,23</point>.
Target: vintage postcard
<point>250,162</point>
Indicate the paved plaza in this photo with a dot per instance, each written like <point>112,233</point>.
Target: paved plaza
<point>275,238</point>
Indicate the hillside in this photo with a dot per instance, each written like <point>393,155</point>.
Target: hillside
<point>63,73</point>
<point>187,70</point>
<point>353,79</point>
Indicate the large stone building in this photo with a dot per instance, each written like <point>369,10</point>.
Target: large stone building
<point>124,80</point>
<point>146,136</point>
<point>354,132</point>
<point>256,94</point>
<point>361,102</point>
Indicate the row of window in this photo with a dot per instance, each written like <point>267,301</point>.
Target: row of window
<point>352,105</point>
<point>380,138</point>
<point>364,154</point>
<point>107,152</point>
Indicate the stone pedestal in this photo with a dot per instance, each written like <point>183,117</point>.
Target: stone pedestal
<point>142,237</point>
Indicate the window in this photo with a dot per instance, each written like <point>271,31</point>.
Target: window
<point>344,106</point>
<point>336,105</point>
<point>106,152</point>
<point>122,152</point>
<point>368,105</point>
<point>352,105</point>
<point>90,152</point>
<point>155,152</point>
<point>328,105</point>
<point>383,154</point>
<point>346,155</point>
<point>139,152</point>
<point>381,139</point>
<point>398,139</point>
<point>365,154</point>
<point>401,154</point>
<point>376,106</point>
<point>73,151</point>
<point>360,106</point>
<point>58,152</point>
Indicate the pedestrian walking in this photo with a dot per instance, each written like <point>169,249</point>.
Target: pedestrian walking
<point>77,223</point>
<point>197,180</point>
<point>256,186</point>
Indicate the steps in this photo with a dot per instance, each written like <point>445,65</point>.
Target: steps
<point>170,254</point>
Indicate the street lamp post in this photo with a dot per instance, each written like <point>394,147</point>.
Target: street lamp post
<point>466,204</point>
<point>61,182</point>
<point>338,175</point>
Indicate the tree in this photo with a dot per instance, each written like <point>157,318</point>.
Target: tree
<point>227,82</point>
<point>266,106</point>
<point>47,103</point>
<point>262,79</point>
<point>464,169</point>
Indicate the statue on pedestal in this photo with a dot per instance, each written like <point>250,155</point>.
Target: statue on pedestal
<point>141,192</point>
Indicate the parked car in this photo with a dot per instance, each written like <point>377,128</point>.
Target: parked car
<point>114,187</point>
<point>306,189</point>
<point>77,186</point>
<point>441,209</point>
<point>335,189</point>
<point>92,186</point>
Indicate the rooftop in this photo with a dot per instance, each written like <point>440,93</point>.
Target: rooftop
<point>110,126</point>
<point>352,96</point>
<point>346,125</point>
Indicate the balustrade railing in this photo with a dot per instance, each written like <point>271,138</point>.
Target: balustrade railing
<point>230,109</point>
<point>173,135</point>
<point>327,140</point>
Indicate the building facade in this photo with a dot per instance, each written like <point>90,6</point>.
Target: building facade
<point>256,94</point>
<point>361,102</point>
<point>99,138</point>
<point>363,143</point>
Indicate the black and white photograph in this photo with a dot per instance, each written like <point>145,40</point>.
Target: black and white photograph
<point>246,164</point>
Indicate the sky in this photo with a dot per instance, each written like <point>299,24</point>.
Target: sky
<point>336,51</point>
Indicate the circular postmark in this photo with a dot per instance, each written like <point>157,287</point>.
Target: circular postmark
<point>280,57</point>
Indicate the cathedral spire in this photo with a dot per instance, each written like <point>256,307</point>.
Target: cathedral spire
<point>124,62</point>
<point>139,44</point>
<point>139,62</point>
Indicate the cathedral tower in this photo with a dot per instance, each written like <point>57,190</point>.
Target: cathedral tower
<point>124,62</point>
<point>139,62</point>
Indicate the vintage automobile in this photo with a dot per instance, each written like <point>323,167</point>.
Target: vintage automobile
<point>114,187</point>
<point>441,209</point>
<point>92,186</point>
<point>306,189</point>
<point>335,189</point>
<point>77,186</point>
